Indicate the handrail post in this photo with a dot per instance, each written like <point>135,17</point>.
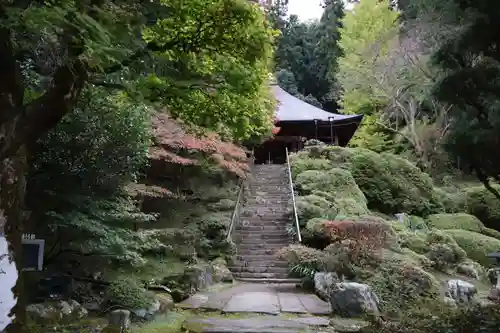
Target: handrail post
<point>236,211</point>
<point>299,236</point>
<point>239,198</point>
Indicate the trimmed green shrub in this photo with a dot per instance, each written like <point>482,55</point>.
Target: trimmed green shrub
<point>434,237</point>
<point>476,245</point>
<point>400,286</point>
<point>443,256</point>
<point>313,206</point>
<point>349,207</point>
<point>455,221</point>
<point>414,241</point>
<point>128,293</point>
<point>491,232</point>
<point>390,184</point>
<point>482,204</point>
<point>299,165</point>
<point>336,182</point>
<point>453,200</point>
<point>436,317</point>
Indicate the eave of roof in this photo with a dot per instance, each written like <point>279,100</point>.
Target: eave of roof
<point>292,109</point>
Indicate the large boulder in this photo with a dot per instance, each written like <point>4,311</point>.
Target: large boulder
<point>323,284</point>
<point>351,299</point>
<point>118,321</point>
<point>148,313</point>
<point>56,312</point>
<point>220,271</point>
<point>460,291</point>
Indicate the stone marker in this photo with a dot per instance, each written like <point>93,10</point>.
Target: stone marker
<point>119,321</point>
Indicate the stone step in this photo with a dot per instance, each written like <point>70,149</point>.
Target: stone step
<point>265,235</point>
<point>257,258</point>
<point>270,281</point>
<point>242,239</point>
<point>269,261</point>
<point>265,242</point>
<point>269,220</point>
<point>269,249</point>
<point>259,269</point>
<point>263,211</point>
<point>262,229</point>
<point>262,220</point>
<point>259,252</point>
<point>248,275</point>
<point>276,215</point>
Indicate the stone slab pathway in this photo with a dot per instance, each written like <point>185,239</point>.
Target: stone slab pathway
<point>259,324</point>
<point>258,298</point>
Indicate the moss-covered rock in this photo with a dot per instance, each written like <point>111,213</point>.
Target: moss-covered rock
<point>476,245</point>
<point>484,205</point>
<point>455,221</point>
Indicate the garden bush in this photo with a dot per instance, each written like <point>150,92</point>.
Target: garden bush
<point>443,256</point>
<point>436,317</point>
<point>400,286</point>
<point>313,206</point>
<point>453,199</point>
<point>435,236</point>
<point>390,184</point>
<point>491,232</point>
<point>455,221</point>
<point>414,241</point>
<point>303,261</point>
<point>128,293</point>
<point>336,182</point>
<point>477,246</point>
<point>482,203</point>
<point>300,165</point>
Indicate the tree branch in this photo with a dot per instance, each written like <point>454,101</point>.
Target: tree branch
<point>30,122</point>
<point>484,179</point>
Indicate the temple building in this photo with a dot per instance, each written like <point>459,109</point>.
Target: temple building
<point>298,122</point>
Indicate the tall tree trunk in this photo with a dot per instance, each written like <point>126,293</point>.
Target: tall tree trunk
<point>12,189</point>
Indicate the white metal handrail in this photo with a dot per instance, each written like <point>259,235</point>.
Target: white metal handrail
<point>237,206</point>
<point>236,211</point>
<point>299,236</point>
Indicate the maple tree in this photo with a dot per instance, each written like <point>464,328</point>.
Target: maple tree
<point>174,145</point>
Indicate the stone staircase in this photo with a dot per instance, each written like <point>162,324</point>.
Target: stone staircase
<point>261,229</point>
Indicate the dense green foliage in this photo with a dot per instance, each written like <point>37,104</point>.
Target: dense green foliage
<point>129,111</point>
<point>306,56</point>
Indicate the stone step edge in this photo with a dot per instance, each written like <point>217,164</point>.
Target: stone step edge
<point>268,280</point>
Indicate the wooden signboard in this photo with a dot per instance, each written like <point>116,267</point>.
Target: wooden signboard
<point>33,250</point>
